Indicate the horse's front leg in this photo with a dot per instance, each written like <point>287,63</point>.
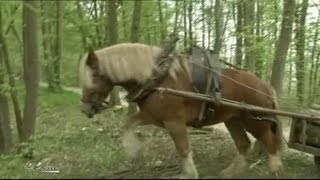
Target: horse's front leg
<point>130,141</point>
<point>178,132</point>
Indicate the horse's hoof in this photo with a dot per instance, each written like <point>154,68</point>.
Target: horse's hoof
<point>234,169</point>
<point>276,168</point>
<point>226,174</point>
<point>278,173</point>
<point>189,176</point>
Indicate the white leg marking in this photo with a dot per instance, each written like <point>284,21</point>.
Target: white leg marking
<point>275,164</point>
<point>238,166</point>
<point>188,167</point>
<point>132,144</point>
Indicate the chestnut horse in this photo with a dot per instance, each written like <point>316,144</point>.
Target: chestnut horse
<point>128,65</point>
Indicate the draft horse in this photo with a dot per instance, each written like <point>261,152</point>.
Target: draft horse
<point>132,64</point>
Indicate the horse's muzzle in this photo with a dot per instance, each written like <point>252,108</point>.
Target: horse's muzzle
<point>90,109</point>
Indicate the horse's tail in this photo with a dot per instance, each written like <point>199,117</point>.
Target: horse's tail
<point>278,125</point>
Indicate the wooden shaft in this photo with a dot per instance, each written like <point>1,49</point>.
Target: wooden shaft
<point>238,105</point>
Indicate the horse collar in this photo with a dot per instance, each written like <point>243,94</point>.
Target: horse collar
<point>142,91</point>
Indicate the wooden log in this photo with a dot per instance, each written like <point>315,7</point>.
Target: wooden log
<point>234,104</point>
<point>313,135</point>
<point>315,107</point>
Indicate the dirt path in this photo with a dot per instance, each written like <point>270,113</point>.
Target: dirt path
<point>213,151</point>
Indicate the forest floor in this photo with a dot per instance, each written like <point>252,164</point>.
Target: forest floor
<point>68,145</point>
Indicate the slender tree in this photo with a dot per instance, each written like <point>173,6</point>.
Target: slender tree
<point>13,89</point>
<point>258,39</point>
<point>30,67</point>
<point>185,28</point>
<point>248,23</point>
<point>190,15</point>
<point>239,33</point>
<point>161,21</point>
<point>58,45</point>
<point>314,64</point>
<point>283,42</point>
<point>5,130</point>
<point>300,49</point>
<point>135,37</point>
<point>112,31</point>
<point>46,39</point>
<point>218,27</point>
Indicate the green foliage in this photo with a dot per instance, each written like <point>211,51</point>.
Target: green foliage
<point>5,89</point>
<point>62,98</point>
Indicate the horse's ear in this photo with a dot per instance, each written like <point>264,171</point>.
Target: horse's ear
<point>92,60</point>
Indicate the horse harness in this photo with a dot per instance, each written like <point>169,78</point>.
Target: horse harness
<point>206,78</point>
<point>207,82</point>
<point>141,91</point>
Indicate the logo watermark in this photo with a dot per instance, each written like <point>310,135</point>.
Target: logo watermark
<point>42,168</point>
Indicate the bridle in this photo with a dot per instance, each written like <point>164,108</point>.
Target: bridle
<point>97,105</point>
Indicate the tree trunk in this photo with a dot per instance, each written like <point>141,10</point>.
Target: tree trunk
<point>176,15</point>
<point>316,88</point>
<point>30,67</point>
<point>81,28</point>
<point>5,129</point>
<point>300,48</point>
<point>249,33</point>
<point>218,27</point>
<point>162,25</point>
<point>113,38</point>
<point>290,69</point>
<point>313,72</point>
<point>97,26</point>
<point>58,46</point>
<point>136,21</point>
<point>283,42</point>
<point>223,30</point>
<point>209,20</point>
<point>258,50</point>
<point>135,38</point>
<point>190,24</point>
<point>47,54</point>
<point>276,19</point>
<point>203,23</point>
<point>239,32</point>
<point>185,34</point>
<point>14,94</point>
<point>124,22</point>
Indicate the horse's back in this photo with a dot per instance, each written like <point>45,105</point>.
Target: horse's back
<point>246,87</point>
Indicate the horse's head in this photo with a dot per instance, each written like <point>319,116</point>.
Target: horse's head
<point>95,87</point>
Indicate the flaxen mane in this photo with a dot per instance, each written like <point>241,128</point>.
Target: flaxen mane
<point>128,61</point>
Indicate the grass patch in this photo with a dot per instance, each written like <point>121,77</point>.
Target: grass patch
<point>61,98</point>
<point>66,140</point>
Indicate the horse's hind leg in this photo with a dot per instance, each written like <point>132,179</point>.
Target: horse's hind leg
<point>178,132</point>
<point>130,141</point>
<point>272,139</point>
<point>242,141</point>
<point>270,134</point>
